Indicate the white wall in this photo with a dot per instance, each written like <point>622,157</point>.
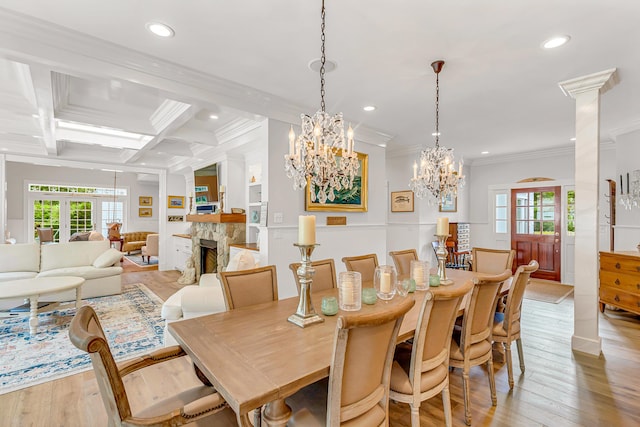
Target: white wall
<point>627,231</point>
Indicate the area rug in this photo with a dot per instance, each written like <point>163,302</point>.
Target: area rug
<point>137,259</point>
<point>545,291</point>
<point>131,322</point>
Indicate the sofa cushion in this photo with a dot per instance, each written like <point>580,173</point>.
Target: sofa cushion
<point>172,307</point>
<point>108,258</point>
<point>20,257</point>
<point>71,254</point>
<point>243,260</point>
<point>16,275</point>
<point>86,272</point>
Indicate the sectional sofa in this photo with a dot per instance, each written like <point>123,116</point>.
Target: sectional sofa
<point>94,261</point>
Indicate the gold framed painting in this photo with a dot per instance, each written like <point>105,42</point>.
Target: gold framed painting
<point>145,200</point>
<point>175,202</point>
<point>145,212</point>
<point>402,201</point>
<point>351,200</point>
<point>449,203</point>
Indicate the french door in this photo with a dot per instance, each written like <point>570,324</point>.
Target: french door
<point>64,215</point>
<point>535,229</point>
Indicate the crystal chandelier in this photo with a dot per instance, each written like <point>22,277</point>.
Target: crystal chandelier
<point>320,154</point>
<point>632,198</point>
<point>435,174</point>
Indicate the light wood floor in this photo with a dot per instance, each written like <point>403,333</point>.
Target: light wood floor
<point>559,387</point>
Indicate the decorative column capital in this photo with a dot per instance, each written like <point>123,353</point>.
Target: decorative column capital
<point>602,81</point>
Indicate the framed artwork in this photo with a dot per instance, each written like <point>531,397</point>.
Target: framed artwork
<point>201,200</point>
<point>402,201</point>
<point>449,203</point>
<point>145,212</point>
<point>145,200</point>
<point>175,218</point>
<point>351,200</point>
<point>175,202</point>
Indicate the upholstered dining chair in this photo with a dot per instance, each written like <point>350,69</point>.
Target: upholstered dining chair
<point>492,261</point>
<point>506,326</point>
<point>358,385</point>
<point>45,235</point>
<point>472,345</point>
<point>151,248</point>
<point>323,278</point>
<point>363,264</point>
<point>402,260</point>
<point>422,371</point>
<point>197,403</point>
<point>249,287</point>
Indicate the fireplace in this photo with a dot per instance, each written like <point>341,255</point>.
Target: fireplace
<point>208,256</point>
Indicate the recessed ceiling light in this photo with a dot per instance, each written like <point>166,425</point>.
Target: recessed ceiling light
<point>484,152</point>
<point>35,116</point>
<point>328,65</point>
<point>213,117</point>
<point>369,107</point>
<point>383,145</point>
<point>555,42</point>
<point>435,134</point>
<point>572,139</point>
<point>160,29</point>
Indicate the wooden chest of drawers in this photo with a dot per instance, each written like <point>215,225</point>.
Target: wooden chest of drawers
<point>620,280</point>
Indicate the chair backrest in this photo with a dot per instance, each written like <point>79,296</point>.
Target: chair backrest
<point>45,235</point>
<point>361,366</point>
<point>432,340</point>
<point>87,335</point>
<point>363,264</point>
<point>323,278</point>
<point>477,323</point>
<point>402,260</point>
<point>516,293</point>
<point>152,244</point>
<point>492,261</point>
<point>249,287</point>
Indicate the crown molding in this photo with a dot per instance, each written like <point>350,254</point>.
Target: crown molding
<point>602,81</point>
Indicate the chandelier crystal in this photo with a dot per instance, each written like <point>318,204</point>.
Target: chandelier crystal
<point>435,173</point>
<point>632,198</point>
<point>320,154</point>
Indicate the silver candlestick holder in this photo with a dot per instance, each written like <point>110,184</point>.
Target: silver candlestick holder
<point>305,315</point>
<point>441,254</point>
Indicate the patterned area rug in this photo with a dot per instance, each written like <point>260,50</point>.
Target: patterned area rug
<point>131,322</point>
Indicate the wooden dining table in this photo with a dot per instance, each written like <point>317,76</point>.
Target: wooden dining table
<point>254,356</point>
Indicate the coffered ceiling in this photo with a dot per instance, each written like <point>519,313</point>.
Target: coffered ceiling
<point>87,62</point>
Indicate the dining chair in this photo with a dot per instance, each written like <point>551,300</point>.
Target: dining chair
<point>249,287</point>
<point>45,235</point>
<point>492,261</point>
<point>323,278</point>
<point>472,344</point>
<point>363,264</point>
<point>199,404</point>
<point>421,371</point>
<point>357,393</point>
<point>151,248</point>
<point>506,326</point>
<point>402,260</point>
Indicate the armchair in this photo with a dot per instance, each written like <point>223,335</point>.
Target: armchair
<point>151,247</point>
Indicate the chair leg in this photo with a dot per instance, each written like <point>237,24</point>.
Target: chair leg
<point>492,382</point>
<point>415,414</point>
<point>520,354</point>
<point>508,356</point>
<point>446,404</point>
<point>467,396</point>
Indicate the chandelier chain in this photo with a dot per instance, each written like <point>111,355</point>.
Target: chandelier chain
<point>323,58</point>
<point>437,109</point>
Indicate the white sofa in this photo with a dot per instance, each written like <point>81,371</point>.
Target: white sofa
<point>94,261</point>
<point>204,298</point>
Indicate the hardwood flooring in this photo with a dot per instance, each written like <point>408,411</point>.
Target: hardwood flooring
<point>559,387</point>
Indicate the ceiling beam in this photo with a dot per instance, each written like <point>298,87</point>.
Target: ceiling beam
<point>43,88</point>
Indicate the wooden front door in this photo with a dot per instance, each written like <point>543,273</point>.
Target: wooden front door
<point>535,229</point>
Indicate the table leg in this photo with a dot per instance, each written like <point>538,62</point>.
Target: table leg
<point>33,318</point>
<point>78,297</point>
<point>276,413</point>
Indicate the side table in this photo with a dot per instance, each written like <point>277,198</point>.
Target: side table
<point>113,240</point>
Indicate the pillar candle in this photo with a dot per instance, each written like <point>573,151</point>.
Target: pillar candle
<point>442,226</point>
<point>222,188</point>
<point>418,273</point>
<point>307,230</point>
<point>385,282</point>
<point>346,289</point>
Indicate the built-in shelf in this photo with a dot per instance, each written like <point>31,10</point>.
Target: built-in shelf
<point>255,203</point>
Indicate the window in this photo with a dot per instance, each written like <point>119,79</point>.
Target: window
<point>46,214</point>
<point>571,213</point>
<point>535,212</point>
<point>501,213</point>
<point>111,212</point>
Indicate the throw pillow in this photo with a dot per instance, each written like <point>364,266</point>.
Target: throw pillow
<point>243,260</point>
<point>108,258</point>
<point>80,236</point>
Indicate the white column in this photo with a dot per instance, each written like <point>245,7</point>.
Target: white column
<point>3,197</point>
<point>586,91</point>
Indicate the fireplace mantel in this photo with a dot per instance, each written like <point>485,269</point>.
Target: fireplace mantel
<point>218,218</point>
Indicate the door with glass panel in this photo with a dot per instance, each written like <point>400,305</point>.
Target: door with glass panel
<point>535,229</point>
<point>65,216</point>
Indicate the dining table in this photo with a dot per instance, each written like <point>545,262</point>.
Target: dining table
<point>255,358</point>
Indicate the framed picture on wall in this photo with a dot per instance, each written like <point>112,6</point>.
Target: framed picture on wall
<point>449,203</point>
<point>402,201</point>
<point>145,212</point>
<point>145,200</point>
<point>175,202</point>
<point>175,218</point>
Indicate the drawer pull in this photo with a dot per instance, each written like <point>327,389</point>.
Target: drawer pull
<point>638,286</point>
<point>617,282</point>
<point>638,268</point>
<point>617,298</point>
<point>618,265</point>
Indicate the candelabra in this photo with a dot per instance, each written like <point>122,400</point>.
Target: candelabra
<point>221,201</point>
<point>441,253</point>
<point>305,315</point>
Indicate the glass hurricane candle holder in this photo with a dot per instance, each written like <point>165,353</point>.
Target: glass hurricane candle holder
<point>420,273</point>
<point>369,296</point>
<point>384,280</point>
<point>350,290</point>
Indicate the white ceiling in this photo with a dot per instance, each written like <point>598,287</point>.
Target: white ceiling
<point>94,62</point>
